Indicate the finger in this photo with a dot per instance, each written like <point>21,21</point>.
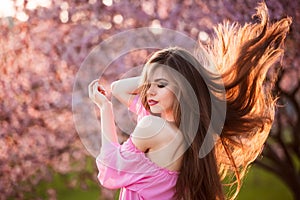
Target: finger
<point>99,96</point>
<point>95,88</point>
<point>90,88</point>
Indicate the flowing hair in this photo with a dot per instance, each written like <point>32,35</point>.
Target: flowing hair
<point>243,56</point>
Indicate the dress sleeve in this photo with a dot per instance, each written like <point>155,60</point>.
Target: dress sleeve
<point>122,166</point>
<point>138,108</point>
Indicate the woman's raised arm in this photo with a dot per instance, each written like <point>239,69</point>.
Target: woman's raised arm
<point>108,127</point>
<point>125,89</point>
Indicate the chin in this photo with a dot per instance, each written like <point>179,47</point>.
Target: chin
<point>155,112</point>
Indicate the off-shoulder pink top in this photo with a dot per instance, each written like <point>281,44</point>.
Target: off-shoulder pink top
<point>126,167</point>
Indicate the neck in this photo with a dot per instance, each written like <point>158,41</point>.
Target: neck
<point>168,117</point>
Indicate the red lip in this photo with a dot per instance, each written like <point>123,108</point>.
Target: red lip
<point>152,102</point>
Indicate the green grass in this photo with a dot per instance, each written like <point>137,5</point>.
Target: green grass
<point>84,187</point>
<point>74,194</point>
<point>60,183</point>
<point>261,184</point>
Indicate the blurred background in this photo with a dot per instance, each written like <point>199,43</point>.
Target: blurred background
<point>42,46</point>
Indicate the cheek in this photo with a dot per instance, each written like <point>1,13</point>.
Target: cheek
<point>169,98</point>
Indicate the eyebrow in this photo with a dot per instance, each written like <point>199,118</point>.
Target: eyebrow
<point>160,79</point>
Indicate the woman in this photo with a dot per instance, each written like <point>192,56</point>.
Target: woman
<point>174,99</point>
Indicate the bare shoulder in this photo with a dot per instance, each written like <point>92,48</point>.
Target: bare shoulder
<point>149,132</point>
<point>151,123</point>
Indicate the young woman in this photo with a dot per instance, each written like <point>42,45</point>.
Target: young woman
<point>174,99</point>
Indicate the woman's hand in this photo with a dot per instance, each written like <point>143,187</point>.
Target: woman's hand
<point>97,94</point>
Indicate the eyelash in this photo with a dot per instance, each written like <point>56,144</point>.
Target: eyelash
<point>161,85</point>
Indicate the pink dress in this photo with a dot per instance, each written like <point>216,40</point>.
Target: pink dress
<point>126,167</point>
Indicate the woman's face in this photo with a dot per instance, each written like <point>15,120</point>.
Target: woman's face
<point>160,95</point>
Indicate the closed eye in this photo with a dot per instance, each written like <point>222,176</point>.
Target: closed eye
<point>162,85</point>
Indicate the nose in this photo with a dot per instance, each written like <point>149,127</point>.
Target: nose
<point>151,91</point>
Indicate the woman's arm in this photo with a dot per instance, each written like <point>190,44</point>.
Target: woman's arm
<point>125,89</point>
<point>108,127</point>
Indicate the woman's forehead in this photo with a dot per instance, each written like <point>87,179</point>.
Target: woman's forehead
<point>159,73</point>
